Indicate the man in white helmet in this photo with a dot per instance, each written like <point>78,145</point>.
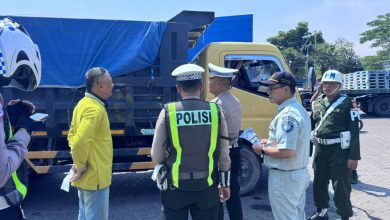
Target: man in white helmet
<point>337,148</point>
<point>20,66</point>
<point>220,85</point>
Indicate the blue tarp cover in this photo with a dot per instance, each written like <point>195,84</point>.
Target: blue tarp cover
<point>69,47</point>
<point>238,28</point>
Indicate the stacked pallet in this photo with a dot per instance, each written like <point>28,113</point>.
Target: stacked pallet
<point>378,79</point>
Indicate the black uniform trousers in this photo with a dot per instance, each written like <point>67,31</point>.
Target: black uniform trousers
<point>233,205</point>
<point>330,163</point>
<point>203,205</point>
<point>11,213</point>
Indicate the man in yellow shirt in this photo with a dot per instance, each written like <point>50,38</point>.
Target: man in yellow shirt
<point>90,142</point>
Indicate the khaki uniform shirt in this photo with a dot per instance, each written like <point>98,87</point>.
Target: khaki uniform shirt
<point>232,111</point>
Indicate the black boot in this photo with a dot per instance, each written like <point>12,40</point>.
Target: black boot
<point>320,214</point>
<point>355,177</point>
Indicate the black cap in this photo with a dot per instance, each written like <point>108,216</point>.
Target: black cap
<point>281,78</point>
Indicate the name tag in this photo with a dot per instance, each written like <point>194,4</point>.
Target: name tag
<point>193,118</point>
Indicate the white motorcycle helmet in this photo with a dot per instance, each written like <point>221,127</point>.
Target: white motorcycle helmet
<point>20,60</point>
<point>332,76</point>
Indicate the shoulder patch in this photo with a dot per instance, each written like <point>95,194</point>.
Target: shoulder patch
<point>355,115</point>
<point>288,124</point>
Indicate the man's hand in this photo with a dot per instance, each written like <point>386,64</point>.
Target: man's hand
<point>257,148</point>
<point>19,109</point>
<point>352,164</point>
<point>224,193</point>
<point>29,105</point>
<point>77,174</point>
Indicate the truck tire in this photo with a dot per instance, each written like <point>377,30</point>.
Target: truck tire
<point>382,106</point>
<point>250,170</point>
<point>364,107</point>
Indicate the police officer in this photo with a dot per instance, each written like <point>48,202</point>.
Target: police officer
<point>187,141</point>
<point>286,151</point>
<point>20,66</point>
<point>337,149</point>
<point>219,86</point>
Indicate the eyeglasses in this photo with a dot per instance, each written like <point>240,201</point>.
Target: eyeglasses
<point>272,89</point>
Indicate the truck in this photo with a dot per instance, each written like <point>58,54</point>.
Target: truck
<point>71,46</point>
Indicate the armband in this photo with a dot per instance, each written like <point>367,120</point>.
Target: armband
<point>224,178</point>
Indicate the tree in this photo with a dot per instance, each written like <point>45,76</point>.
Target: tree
<point>374,62</point>
<point>297,38</point>
<point>295,44</point>
<point>296,61</point>
<point>347,60</point>
<point>324,57</point>
<point>379,35</point>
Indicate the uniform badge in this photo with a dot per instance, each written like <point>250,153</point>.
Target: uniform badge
<point>288,124</point>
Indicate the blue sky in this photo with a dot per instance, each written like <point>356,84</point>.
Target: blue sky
<point>335,18</point>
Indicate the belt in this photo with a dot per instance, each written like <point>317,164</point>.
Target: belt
<point>272,168</point>
<point>194,175</point>
<point>233,145</point>
<point>328,141</point>
<point>3,203</point>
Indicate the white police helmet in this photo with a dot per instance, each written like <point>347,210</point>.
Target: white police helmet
<point>217,71</point>
<point>20,60</point>
<point>188,72</point>
<point>332,76</point>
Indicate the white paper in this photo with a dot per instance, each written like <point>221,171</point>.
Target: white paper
<point>65,183</point>
<point>156,171</point>
<point>39,116</point>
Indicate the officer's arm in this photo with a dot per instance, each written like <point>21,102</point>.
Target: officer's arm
<point>84,137</point>
<point>275,152</point>
<point>160,139</point>
<point>224,159</point>
<point>353,119</point>
<point>12,153</point>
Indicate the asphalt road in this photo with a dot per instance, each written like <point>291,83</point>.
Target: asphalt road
<point>134,195</point>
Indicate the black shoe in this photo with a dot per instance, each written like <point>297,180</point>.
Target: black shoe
<point>355,177</point>
<point>320,214</point>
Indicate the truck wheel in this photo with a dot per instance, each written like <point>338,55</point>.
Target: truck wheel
<point>364,107</point>
<point>382,107</point>
<point>250,171</point>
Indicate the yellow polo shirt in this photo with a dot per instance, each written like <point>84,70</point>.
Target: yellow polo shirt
<point>90,142</point>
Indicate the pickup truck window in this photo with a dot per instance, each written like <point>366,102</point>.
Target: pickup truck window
<point>252,70</point>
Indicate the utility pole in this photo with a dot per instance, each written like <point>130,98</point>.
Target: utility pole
<point>315,47</point>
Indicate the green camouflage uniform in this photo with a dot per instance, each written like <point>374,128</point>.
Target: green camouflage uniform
<point>330,161</point>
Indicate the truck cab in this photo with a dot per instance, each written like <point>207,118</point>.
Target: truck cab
<point>255,62</point>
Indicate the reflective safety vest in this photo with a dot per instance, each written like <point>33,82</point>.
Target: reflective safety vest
<point>193,128</point>
<point>15,190</point>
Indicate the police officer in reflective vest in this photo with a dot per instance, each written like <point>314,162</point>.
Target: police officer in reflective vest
<point>219,85</point>
<point>20,66</point>
<point>187,141</point>
<point>337,150</point>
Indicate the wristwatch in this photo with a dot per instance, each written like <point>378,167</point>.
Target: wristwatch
<point>263,147</point>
